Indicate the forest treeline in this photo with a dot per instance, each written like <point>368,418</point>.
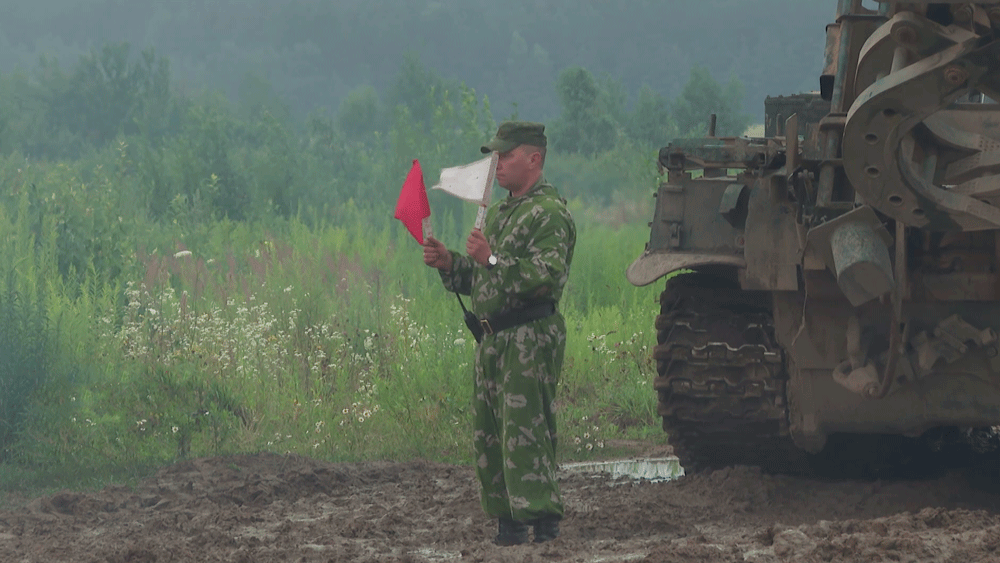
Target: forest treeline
<point>317,53</point>
<point>196,210</point>
<point>146,231</point>
<point>251,158</point>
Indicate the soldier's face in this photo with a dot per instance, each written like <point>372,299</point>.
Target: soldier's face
<point>517,168</point>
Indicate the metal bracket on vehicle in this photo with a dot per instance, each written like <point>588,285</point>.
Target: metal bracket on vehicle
<point>951,342</point>
<point>734,203</point>
<point>854,247</point>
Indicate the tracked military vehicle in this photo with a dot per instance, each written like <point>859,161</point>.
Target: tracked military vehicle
<point>845,268</point>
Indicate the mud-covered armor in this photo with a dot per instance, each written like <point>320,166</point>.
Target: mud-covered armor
<point>847,264</point>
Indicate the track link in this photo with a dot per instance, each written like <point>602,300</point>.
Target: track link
<point>721,380</point>
<point>721,392</point>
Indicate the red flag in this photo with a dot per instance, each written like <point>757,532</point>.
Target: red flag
<point>412,207</point>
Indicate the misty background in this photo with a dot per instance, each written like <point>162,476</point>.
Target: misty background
<point>316,53</point>
<point>167,164</point>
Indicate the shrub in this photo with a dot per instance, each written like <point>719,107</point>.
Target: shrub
<point>24,360</point>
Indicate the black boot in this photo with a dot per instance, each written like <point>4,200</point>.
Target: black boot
<point>546,528</point>
<point>511,532</point>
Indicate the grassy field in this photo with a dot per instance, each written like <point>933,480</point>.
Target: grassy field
<point>205,278</point>
<point>330,339</point>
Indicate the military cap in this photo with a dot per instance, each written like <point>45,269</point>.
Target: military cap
<point>511,134</point>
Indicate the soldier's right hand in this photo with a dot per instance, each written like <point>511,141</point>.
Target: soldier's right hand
<point>436,255</point>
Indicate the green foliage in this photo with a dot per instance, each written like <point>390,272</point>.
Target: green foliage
<point>273,163</point>
<point>239,285</point>
<point>24,359</point>
<point>511,50</point>
<point>360,115</point>
<point>39,319</point>
<point>703,96</point>
<point>585,125</point>
<point>257,97</point>
<point>651,122</point>
<point>109,92</point>
<point>626,171</point>
<point>595,118</point>
<point>419,89</point>
<point>206,170</point>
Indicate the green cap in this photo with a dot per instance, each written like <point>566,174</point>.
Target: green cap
<point>514,133</point>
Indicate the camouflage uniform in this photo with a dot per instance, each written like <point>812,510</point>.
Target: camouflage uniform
<point>517,369</point>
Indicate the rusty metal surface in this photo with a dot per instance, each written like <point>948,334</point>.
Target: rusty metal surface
<point>809,107</point>
<point>652,266</point>
<point>870,217</point>
<point>772,242</point>
<point>696,222</point>
<point>889,157</point>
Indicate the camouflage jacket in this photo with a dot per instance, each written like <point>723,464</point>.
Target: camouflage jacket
<point>533,237</point>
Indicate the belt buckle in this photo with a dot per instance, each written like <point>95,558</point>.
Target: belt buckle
<point>485,323</point>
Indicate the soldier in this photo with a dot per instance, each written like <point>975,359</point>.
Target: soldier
<point>515,271</point>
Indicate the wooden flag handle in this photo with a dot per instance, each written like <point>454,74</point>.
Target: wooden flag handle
<point>425,225</point>
<point>488,193</point>
<point>481,217</point>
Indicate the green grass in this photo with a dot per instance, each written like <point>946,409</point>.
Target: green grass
<point>334,342</point>
<point>320,334</point>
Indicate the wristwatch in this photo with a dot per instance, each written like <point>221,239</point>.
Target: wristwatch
<point>491,261</point>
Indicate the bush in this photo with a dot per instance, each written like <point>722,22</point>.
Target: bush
<point>24,360</point>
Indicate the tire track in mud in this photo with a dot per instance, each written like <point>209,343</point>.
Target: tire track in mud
<point>270,507</point>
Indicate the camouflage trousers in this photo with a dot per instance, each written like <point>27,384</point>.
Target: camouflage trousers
<point>514,438</point>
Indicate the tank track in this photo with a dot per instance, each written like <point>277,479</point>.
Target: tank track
<point>720,383</point>
<point>721,380</point>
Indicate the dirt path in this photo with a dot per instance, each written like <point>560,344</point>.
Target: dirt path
<point>275,508</point>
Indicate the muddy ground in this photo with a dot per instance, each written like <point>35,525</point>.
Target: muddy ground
<point>289,508</point>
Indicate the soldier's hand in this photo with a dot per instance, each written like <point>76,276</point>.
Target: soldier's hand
<point>477,247</point>
<point>436,255</point>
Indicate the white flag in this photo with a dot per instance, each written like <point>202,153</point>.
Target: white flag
<point>472,182</point>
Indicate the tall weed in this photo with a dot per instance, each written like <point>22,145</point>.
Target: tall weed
<point>241,288</point>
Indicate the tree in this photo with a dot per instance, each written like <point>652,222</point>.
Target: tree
<point>418,88</point>
<point>585,125</point>
<point>703,96</point>
<point>526,82</point>
<point>360,115</point>
<point>257,97</point>
<point>651,122</point>
<point>110,92</point>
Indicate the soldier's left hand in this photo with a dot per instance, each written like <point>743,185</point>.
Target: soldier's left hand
<point>478,248</point>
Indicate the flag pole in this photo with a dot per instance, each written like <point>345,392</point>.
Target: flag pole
<point>426,227</point>
<point>488,193</point>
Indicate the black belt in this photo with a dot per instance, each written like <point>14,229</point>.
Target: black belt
<point>493,324</point>
<point>516,317</point>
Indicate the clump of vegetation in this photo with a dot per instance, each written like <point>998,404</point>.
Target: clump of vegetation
<point>25,348</point>
<point>224,281</point>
